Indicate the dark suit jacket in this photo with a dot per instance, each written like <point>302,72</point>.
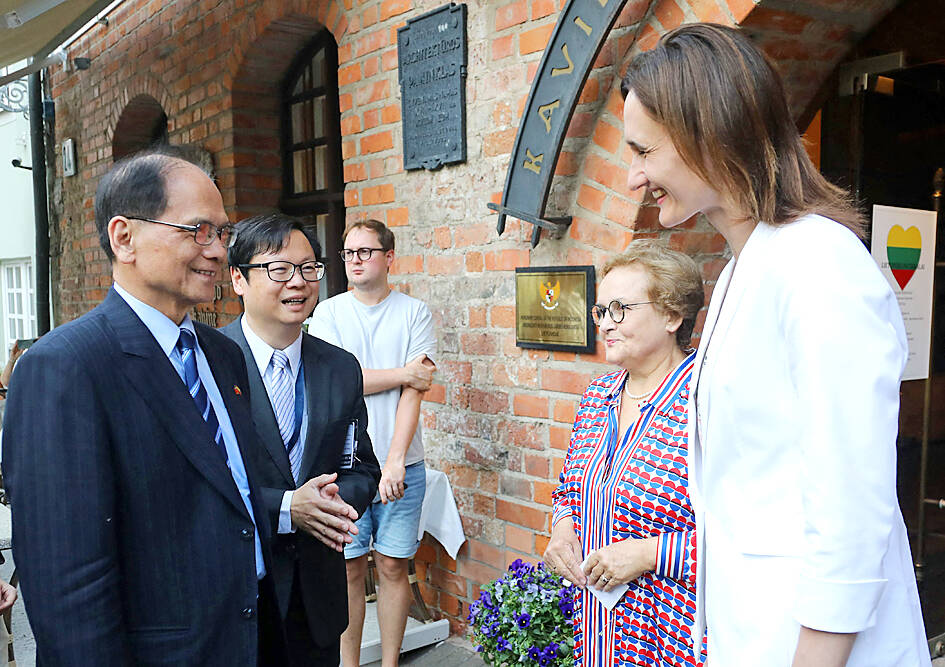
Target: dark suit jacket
<point>131,540</point>
<point>334,391</point>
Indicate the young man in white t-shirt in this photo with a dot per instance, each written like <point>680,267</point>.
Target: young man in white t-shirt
<point>391,335</point>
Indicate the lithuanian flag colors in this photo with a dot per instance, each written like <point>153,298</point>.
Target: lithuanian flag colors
<point>903,248</point>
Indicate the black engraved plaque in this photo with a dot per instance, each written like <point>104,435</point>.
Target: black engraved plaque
<point>431,56</point>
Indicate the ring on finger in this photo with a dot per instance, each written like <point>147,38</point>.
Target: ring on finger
<point>606,580</point>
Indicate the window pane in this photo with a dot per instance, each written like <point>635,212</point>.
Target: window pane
<point>18,308</point>
<point>16,278</point>
<point>321,167</point>
<point>10,304</point>
<point>303,170</point>
<point>318,69</point>
<point>319,117</point>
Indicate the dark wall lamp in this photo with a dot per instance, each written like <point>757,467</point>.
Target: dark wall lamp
<point>18,163</point>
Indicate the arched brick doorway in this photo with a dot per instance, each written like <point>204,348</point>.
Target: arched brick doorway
<point>272,86</point>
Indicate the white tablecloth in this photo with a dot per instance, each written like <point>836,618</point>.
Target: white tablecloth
<point>439,515</point>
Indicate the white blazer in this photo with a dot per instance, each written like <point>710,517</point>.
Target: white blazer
<point>792,454</point>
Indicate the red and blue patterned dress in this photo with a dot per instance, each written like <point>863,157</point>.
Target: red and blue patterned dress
<point>634,486</point>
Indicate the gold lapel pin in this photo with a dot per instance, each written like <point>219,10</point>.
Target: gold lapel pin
<point>236,390</point>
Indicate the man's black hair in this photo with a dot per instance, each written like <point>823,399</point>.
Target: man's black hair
<point>136,186</point>
<point>264,234</point>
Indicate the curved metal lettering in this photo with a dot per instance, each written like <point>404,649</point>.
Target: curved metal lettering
<point>579,34</point>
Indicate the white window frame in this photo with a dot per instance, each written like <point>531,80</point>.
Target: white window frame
<point>17,322</point>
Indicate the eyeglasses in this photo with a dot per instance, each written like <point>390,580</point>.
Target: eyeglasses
<point>204,232</point>
<point>364,254</point>
<point>282,271</point>
<point>615,309</point>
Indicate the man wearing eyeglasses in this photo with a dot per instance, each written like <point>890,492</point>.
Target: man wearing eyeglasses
<point>140,533</point>
<point>315,460</point>
<point>391,334</point>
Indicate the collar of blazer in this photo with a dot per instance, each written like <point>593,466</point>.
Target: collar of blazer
<point>151,374</point>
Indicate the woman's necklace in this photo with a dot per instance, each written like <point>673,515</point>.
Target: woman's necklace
<point>639,398</point>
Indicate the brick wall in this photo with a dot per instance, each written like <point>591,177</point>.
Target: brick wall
<point>498,419</point>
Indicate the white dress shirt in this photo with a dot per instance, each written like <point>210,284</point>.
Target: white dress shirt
<point>262,354</point>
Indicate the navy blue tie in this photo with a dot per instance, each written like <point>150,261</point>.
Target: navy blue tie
<point>186,346</point>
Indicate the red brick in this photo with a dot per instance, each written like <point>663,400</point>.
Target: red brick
<point>535,39</point>
<point>407,264</point>
<point>477,317</point>
<point>372,118</point>
<point>355,172</point>
<point>378,194</point>
<point>397,217</point>
<point>503,47</point>
<point>447,581</point>
<point>442,237</point>
<point>536,466</point>
<point>649,37</point>
<point>477,343</point>
<point>378,142</point>
<point>506,260</point>
<point>488,402</point>
<point>541,492</point>
<point>541,543</point>
<point>568,382</point>
<point>350,125</point>
<point>530,406</point>
<point>437,393</point>
<point>669,14</point>
<point>518,539</point>
<point>559,437</point>
<point>607,137</point>
<point>542,8</point>
<point>477,572</point>
<point>511,14</point>
<point>483,552</point>
<point>599,235</point>
<point>390,114</point>
<point>499,142</point>
<point>778,21</point>
<point>741,9</point>
<point>591,198</point>
<point>564,411</point>
<point>391,8</point>
<point>474,262</point>
<point>502,316</point>
<point>520,514</point>
<point>438,265</point>
<point>349,74</point>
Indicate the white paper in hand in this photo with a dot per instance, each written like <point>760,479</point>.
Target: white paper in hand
<point>610,598</point>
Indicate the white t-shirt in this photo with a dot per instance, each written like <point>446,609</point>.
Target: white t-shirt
<point>386,335</point>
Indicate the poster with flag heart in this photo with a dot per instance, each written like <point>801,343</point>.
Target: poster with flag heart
<point>903,245</point>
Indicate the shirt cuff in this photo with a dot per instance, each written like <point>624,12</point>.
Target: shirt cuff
<point>285,513</point>
<point>670,554</point>
<point>837,606</point>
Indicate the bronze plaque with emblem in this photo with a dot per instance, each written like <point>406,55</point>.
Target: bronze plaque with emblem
<point>553,308</point>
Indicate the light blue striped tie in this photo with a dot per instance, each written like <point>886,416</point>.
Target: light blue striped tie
<point>186,347</point>
<point>282,396</point>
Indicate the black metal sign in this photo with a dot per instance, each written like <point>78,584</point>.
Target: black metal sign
<point>578,36</point>
<point>431,55</point>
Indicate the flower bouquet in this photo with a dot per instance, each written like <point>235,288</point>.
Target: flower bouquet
<point>524,617</point>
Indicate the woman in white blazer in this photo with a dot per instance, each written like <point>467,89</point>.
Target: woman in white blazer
<point>802,557</point>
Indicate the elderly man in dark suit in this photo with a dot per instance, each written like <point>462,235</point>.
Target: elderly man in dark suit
<point>316,464</point>
<point>139,534</point>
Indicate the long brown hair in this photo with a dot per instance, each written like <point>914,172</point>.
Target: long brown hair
<point>723,104</point>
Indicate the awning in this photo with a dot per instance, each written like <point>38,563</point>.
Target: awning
<point>34,28</point>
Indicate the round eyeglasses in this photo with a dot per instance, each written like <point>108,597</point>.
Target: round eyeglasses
<point>364,254</point>
<point>615,309</point>
<point>281,271</point>
<point>204,232</point>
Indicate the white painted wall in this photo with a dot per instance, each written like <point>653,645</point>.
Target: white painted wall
<point>16,204</point>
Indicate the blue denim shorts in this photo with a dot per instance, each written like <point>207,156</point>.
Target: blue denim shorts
<point>394,526</point>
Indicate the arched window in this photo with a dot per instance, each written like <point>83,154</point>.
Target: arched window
<point>142,124</point>
<point>313,186</point>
